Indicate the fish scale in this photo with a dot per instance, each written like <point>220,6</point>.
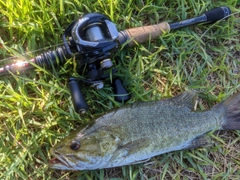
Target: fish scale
<point>137,132</point>
<point>157,123</point>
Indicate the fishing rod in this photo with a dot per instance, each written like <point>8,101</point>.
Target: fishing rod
<point>92,39</point>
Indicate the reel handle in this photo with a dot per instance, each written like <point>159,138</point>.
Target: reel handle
<point>79,102</point>
<point>121,93</point>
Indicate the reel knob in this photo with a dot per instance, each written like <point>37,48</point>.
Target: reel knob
<point>79,102</point>
<point>120,92</point>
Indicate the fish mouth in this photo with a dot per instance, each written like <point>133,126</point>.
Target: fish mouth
<point>59,160</point>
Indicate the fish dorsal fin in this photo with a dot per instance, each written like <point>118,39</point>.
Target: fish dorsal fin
<point>186,99</point>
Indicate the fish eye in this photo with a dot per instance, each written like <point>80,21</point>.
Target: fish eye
<point>75,145</point>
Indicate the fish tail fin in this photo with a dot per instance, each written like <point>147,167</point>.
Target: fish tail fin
<point>232,112</point>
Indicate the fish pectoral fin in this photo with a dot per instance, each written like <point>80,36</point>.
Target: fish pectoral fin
<point>129,149</point>
<point>136,145</point>
<point>203,141</point>
<point>186,99</point>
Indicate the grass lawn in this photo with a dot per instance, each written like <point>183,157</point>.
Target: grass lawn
<point>36,110</point>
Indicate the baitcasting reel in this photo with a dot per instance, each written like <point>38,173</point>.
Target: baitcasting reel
<point>92,39</point>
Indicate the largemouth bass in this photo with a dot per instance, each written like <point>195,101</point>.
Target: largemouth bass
<point>140,131</point>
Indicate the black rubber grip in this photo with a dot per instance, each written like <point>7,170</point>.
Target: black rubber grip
<point>217,14</point>
<point>120,92</point>
<point>79,102</point>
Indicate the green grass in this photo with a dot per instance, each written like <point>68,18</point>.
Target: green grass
<point>36,110</point>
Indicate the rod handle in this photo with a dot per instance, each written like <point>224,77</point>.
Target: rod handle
<point>143,34</point>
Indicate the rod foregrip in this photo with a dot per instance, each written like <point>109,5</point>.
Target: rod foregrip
<point>143,34</point>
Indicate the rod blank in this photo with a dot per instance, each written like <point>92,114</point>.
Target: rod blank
<point>210,16</point>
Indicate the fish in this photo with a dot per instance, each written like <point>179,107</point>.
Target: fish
<point>135,133</point>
